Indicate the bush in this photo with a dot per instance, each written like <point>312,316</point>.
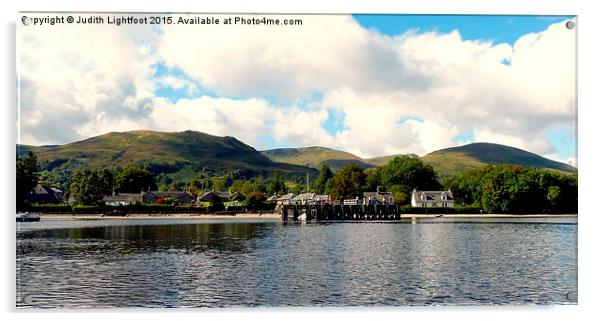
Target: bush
<point>88,209</point>
<point>51,208</point>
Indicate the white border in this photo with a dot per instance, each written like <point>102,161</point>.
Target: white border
<point>588,144</point>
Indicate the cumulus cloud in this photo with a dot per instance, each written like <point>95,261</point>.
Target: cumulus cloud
<point>77,82</point>
<point>412,93</point>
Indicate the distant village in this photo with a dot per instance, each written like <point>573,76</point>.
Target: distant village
<point>44,194</point>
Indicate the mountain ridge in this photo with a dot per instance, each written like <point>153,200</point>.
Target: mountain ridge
<point>187,151</point>
<point>447,161</point>
<point>183,154</point>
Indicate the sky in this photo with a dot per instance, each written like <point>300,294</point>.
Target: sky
<point>372,85</point>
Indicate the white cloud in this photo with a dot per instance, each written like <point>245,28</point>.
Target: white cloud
<point>81,81</point>
<point>98,79</point>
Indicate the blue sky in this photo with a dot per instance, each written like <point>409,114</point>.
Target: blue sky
<point>494,28</point>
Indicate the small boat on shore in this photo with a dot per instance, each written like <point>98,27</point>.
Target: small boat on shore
<point>28,217</point>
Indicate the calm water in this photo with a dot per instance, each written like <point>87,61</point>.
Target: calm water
<point>217,264</point>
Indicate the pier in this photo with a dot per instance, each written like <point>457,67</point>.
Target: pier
<point>327,212</point>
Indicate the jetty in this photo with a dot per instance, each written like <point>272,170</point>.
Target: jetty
<point>329,212</point>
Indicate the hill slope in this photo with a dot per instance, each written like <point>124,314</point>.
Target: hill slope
<point>314,157</point>
<point>180,153</point>
<point>447,162</point>
<point>450,161</point>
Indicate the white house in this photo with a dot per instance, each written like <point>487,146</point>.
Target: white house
<point>432,198</point>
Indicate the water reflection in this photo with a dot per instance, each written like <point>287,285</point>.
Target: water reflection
<point>274,264</point>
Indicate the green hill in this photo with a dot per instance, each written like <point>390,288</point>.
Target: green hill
<point>183,155</point>
<point>314,157</point>
<point>450,161</point>
<point>447,162</point>
<point>179,154</point>
<point>380,161</point>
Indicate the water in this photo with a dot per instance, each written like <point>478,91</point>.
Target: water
<point>221,264</point>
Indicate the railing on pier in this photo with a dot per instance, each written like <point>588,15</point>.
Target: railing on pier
<point>327,212</point>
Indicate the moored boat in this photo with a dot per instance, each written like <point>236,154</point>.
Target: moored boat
<point>28,217</point>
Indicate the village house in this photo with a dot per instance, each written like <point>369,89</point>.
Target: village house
<point>285,199</point>
<point>45,194</point>
<point>379,197</point>
<point>219,197</point>
<point>303,199</point>
<point>122,199</point>
<point>273,198</point>
<point>151,197</point>
<point>432,198</point>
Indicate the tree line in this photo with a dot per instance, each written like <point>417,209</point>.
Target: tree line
<point>494,188</point>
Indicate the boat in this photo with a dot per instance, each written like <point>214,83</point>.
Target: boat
<point>28,217</point>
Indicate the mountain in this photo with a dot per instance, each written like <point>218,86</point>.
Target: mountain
<point>314,157</point>
<point>450,161</point>
<point>181,154</point>
<point>447,162</point>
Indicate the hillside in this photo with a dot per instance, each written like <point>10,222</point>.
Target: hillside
<point>183,155</point>
<point>314,157</point>
<point>450,161</point>
<point>447,162</point>
<point>179,154</point>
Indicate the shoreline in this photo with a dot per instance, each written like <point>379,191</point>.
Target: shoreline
<point>488,215</point>
<point>272,216</point>
<point>170,216</point>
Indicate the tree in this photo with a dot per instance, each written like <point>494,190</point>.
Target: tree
<point>27,175</point>
<point>135,180</point>
<point>276,185</point>
<point>247,188</point>
<point>107,181</point>
<point>410,173</point>
<point>218,184</point>
<point>256,200</point>
<point>323,177</point>
<point>373,180</point>
<point>466,187</point>
<point>88,187</point>
<point>348,182</point>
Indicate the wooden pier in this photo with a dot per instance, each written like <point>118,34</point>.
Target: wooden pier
<point>329,212</point>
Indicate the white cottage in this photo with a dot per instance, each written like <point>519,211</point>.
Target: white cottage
<point>432,199</point>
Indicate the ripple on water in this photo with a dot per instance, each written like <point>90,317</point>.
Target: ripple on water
<point>271,264</point>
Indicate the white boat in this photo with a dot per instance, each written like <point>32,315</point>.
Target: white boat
<point>302,217</point>
<point>28,217</point>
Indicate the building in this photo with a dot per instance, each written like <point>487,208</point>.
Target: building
<point>122,199</point>
<point>432,198</point>
<point>285,199</point>
<point>272,198</point>
<point>379,197</point>
<point>151,197</point>
<point>219,197</point>
<point>303,199</point>
<point>180,197</point>
<point>321,199</point>
<point>45,194</point>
